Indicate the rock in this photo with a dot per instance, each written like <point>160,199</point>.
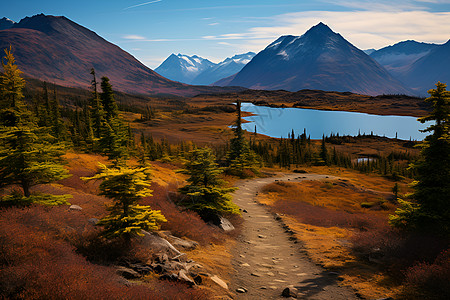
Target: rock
<point>241,290</point>
<point>182,276</point>
<point>93,221</point>
<point>261,236</point>
<point>255,274</point>
<point>219,281</point>
<point>158,244</point>
<point>75,207</point>
<point>290,291</point>
<point>182,243</point>
<point>277,217</point>
<point>127,272</point>
<point>221,222</point>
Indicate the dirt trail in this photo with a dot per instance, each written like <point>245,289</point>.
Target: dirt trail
<point>266,261</point>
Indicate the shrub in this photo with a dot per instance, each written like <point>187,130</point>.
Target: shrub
<point>429,281</point>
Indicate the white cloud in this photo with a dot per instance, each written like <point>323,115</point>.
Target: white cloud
<point>213,24</point>
<point>364,29</point>
<point>141,4</point>
<point>134,37</point>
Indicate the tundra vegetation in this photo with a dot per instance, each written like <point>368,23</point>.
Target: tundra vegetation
<point>52,137</point>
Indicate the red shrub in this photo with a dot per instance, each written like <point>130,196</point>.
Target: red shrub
<point>320,216</point>
<point>181,223</point>
<point>35,264</point>
<point>430,281</point>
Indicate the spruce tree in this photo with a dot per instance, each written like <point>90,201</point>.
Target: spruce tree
<point>205,191</point>
<point>240,157</point>
<point>431,208</point>
<point>126,186</point>
<point>107,99</point>
<point>28,156</point>
<point>96,108</point>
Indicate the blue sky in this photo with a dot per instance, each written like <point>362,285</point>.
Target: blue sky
<point>152,30</point>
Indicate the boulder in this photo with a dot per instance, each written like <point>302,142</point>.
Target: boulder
<point>158,244</point>
<point>75,207</point>
<point>182,243</point>
<point>222,222</point>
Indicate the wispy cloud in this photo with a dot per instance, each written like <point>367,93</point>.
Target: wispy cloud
<point>213,24</point>
<point>142,4</point>
<point>134,37</point>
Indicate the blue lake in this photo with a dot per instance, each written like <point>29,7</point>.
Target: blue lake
<point>278,122</point>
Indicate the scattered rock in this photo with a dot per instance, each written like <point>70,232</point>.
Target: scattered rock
<point>241,290</point>
<point>127,272</point>
<point>277,217</point>
<point>255,274</point>
<point>75,207</point>
<point>219,281</point>
<point>261,236</point>
<point>245,211</point>
<point>290,291</point>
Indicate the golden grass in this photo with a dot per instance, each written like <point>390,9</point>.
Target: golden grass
<point>332,194</point>
<point>330,247</point>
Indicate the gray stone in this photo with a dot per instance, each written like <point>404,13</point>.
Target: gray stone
<point>221,222</point>
<point>75,207</point>
<point>182,243</point>
<point>158,244</point>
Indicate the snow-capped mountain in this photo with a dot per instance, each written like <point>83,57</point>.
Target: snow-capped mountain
<point>6,23</point>
<point>200,71</point>
<point>183,68</point>
<point>224,69</point>
<point>319,59</point>
<point>398,57</point>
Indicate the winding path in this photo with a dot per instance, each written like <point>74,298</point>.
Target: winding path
<point>265,259</point>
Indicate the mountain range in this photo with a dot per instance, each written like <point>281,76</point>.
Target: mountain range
<point>58,50</point>
<point>418,65</point>
<point>200,71</point>
<point>319,59</point>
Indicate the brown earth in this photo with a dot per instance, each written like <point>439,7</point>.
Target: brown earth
<point>267,258</point>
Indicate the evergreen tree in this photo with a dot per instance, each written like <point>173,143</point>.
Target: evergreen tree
<point>205,192</point>
<point>431,209</point>
<point>323,152</point>
<point>11,84</point>
<point>28,156</point>
<point>126,187</point>
<point>240,157</point>
<point>96,108</point>
<point>107,99</point>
